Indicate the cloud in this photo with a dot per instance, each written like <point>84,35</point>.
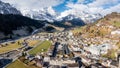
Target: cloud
<point>80,1</point>
<point>98,6</point>
<point>99,3</point>
<point>84,1</point>
<point>77,6</point>
<point>33,4</point>
<point>95,10</point>
<point>112,9</point>
<point>92,6</point>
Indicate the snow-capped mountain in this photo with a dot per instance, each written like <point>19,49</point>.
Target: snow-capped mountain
<point>50,15</point>
<point>85,16</point>
<point>43,14</point>
<point>6,8</point>
<point>72,19</point>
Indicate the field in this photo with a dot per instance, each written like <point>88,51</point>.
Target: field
<point>9,47</point>
<point>32,42</point>
<point>17,64</point>
<point>115,22</point>
<point>28,63</point>
<point>42,47</point>
<point>12,46</point>
<point>77,30</point>
<point>22,63</point>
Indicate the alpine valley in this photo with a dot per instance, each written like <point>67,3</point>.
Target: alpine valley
<point>76,34</point>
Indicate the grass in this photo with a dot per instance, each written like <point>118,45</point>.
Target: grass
<point>43,47</point>
<point>9,47</point>
<point>118,44</point>
<point>20,64</point>
<point>13,46</point>
<point>29,64</point>
<point>77,30</point>
<point>117,24</point>
<point>17,64</point>
<point>111,54</point>
<point>32,42</point>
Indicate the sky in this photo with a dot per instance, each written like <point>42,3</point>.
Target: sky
<point>92,6</point>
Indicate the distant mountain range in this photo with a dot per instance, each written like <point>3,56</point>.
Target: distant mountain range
<point>15,22</point>
<point>50,15</point>
<point>47,14</point>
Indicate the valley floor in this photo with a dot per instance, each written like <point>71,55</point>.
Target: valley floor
<point>61,49</point>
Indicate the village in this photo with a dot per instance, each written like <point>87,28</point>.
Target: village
<point>64,50</point>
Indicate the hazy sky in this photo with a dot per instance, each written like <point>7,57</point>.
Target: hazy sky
<point>93,6</point>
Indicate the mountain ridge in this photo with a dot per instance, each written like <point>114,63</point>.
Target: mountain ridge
<point>6,8</point>
<point>17,25</point>
<point>50,15</point>
<point>102,27</point>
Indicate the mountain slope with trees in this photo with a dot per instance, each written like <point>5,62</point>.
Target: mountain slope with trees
<point>17,25</point>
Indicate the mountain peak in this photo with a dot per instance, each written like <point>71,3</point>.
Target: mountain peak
<point>85,16</point>
<point>6,8</point>
<point>50,15</point>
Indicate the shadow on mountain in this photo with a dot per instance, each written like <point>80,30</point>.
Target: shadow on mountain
<point>10,24</point>
<point>69,21</point>
<point>14,22</point>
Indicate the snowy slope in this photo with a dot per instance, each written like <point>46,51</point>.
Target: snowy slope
<point>42,14</point>
<point>6,8</point>
<point>85,16</point>
<point>50,15</point>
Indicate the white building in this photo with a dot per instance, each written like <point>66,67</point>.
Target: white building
<point>46,59</point>
<point>100,49</point>
<point>115,32</point>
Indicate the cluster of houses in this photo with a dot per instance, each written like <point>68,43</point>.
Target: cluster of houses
<point>69,51</point>
<point>66,44</point>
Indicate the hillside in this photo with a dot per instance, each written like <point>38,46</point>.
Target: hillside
<point>12,26</point>
<point>105,30</point>
<point>17,25</point>
<point>102,27</point>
